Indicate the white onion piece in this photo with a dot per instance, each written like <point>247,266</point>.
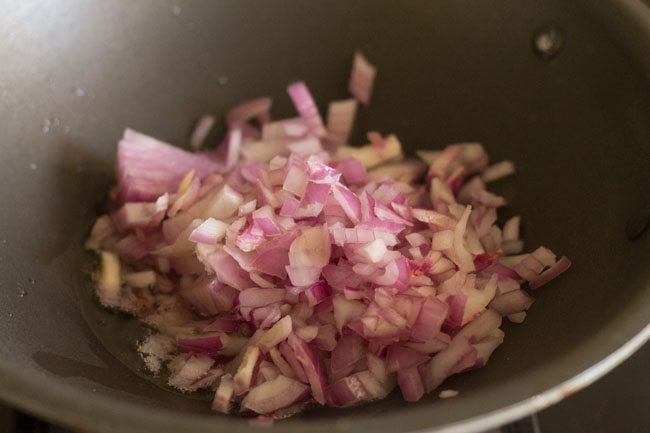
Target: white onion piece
<point>459,356</point>
<point>187,376</point>
<point>256,108</point>
<point>512,302</point>
<point>553,272</point>
<point>410,384</point>
<point>244,375</point>
<point>274,395</point>
<point>370,155</point>
<point>109,281</point>
<point>306,107</point>
<point>140,280</point>
<point>511,229</point>
<point>224,395</point>
<point>201,131</point>
<point>210,231</point>
<point>311,248</point>
<point>498,170</point>
<point>276,334</point>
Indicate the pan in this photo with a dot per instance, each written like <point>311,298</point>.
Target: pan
<point>560,87</point>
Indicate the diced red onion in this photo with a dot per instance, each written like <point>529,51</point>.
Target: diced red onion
<point>210,231</point>
<point>276,334</point>
<point>498,170</point>
<point>410,383</point>
<point>274,394</point>
<point>306,107</point>
<point>208,343</point>
<point>481,327</point>
<point>243,378</point>
<point>553,272</point>
<point>307,333</point>
<point>148,168</point>
<point>267,372</point>
<point>306,146</point>
<point>349,267</point>
<point>190,371</point>
<point>311,248</point>
<point>352,170</point>
<point>357,388</point>
<point>545,256</point>
<point>487,346</point>
<point>517,317</point>
<point>340,121</point>
<point>458,356</point>
<point>317,293</point>
<point>289,357</point>
<point>228,271</point>
<point>230,326</point>
<point>408,171</point>
<point>280,363</point>
<point>442,240</point>
<point>400,358</point>
<point>140,280</point>
<point>201,131</point>
<point>433,345</point>
<point>326,337</point>
<point>224,395</point>
<point>312,367</point>
<point>347,352</point>
<point>256,108</point>
<point>109,281</point>
<point>511,302</point>
<point>362,79</point>
<point>132,215</point>
<point>511,229</point>
<point>255,297</point>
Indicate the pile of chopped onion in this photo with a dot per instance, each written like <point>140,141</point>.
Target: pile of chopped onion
<point>288,268</point>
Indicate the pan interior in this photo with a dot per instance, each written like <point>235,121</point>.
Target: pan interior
<point>76,73</point>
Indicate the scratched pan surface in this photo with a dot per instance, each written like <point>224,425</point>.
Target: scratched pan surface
<point>74,74</point>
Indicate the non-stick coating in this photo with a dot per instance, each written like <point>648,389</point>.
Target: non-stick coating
<point>75,73</point>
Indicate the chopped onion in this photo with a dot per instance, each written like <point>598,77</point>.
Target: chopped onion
<point>140,280</point>
<point>276,334</point>
<point>201,131</point>
<point>511,229</point>
<point>210,231</point>
<point>498,170</point>
<point>187,373</point>
<point>274,394</point>
<point>410,383</point>
<point>289,266</point>
<point>553,272</point>
<point>448,393</point>
<point>256,108</point>
<point>109,281</point>
<point>244,375</point>
<point>512,302</point>
<point>148,168</point>
<point>362,79</point>
<point>224,395</point>
<point>306,107</point>
<point>340,121</point>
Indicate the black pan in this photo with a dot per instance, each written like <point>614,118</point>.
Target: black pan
<point>576,120</point>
